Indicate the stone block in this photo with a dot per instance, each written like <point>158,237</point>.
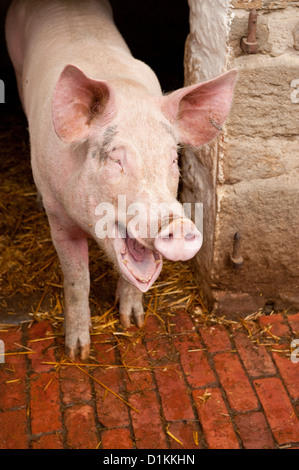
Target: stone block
<point>252,158</point>
<point>266,214</point>
<point>262,103</point>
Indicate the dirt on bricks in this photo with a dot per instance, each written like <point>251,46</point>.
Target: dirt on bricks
<point>192,385</point>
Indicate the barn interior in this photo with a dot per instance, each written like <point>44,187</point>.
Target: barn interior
<point>30,276</point>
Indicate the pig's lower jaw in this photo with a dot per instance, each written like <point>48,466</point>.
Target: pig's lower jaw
<point>138,264</point>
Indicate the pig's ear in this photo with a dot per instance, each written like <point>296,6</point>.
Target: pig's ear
<point>77,101</point>
<point>198,112</point>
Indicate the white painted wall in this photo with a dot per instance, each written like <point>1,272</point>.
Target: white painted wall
<point>206,48</point>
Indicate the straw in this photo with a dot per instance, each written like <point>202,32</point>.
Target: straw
<point>173,436</point>
<point>106,388</point>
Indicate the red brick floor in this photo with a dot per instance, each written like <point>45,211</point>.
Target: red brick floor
<point>199,386</point>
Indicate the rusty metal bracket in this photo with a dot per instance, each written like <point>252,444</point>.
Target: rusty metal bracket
<point>249,44</point>
<point>236,256</point>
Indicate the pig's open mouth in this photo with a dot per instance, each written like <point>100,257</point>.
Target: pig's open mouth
<point>140,265</point>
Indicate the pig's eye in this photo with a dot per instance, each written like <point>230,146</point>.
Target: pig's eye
<point>116,156</point>
<point>115,160</point>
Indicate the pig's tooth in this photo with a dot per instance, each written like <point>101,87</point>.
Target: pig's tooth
<point>125,261</point>
<point>141,279</point>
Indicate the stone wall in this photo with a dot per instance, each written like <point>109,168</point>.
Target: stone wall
<point>248,179</point>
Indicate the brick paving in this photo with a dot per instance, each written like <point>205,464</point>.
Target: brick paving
<point>194,386</point>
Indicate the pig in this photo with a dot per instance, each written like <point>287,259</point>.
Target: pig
<point>100,127</point>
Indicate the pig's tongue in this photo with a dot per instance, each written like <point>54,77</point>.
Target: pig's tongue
<point>140,260</point>
<point>136,249</point>
<point>140,265</point>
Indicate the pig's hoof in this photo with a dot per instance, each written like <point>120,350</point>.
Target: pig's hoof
<point>137,318</point>
<point>130,304</point>
<point>73,352</point>
<point>77,339</point>
<point>77,348</point>
<point>85,350</point>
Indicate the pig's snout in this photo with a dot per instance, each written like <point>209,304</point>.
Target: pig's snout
<point>179,241</point>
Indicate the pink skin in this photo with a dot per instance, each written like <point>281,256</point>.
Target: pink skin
<point>99,128</point>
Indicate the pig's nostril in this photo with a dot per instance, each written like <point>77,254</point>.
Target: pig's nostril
<point>190,236</point>
<point>167,237</point>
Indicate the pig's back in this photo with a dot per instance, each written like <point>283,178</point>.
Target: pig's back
<point>44,36</point>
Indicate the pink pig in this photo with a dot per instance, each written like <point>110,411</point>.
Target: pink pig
<point>100,128</point>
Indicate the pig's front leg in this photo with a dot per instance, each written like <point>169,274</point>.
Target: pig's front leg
<point>130,304</point>
<point>71,246</point>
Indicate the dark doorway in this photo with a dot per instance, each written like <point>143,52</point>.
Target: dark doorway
<point>156,31</point>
